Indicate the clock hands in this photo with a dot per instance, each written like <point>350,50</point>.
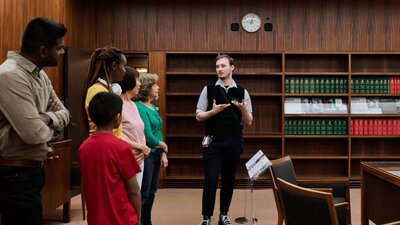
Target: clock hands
<point>251,22</point>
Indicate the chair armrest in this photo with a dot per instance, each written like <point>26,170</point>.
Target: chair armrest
<point>340,187</point>
<point>393,223</point>
<point>324,181</point>
<point>326,190</point>
<point>345,205</point>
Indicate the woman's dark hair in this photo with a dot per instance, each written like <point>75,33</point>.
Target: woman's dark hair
<point>147,80</point>
<point>128,82</point>
<point>100,63</point>
<point>104,107</point>
<point>41,32</point>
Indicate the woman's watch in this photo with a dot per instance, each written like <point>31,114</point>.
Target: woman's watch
<point>163,151</point>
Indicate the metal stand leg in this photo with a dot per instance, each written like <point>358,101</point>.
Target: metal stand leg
<point>243,219</point>
<point>254,219</point>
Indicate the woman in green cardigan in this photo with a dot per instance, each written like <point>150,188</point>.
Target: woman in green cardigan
<point>153,133</point>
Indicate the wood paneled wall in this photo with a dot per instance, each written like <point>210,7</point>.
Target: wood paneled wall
<point>15,14</point>
<point>177,25</point>
<point>298,25</point>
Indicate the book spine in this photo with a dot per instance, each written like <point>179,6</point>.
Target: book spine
<point>287,85</point>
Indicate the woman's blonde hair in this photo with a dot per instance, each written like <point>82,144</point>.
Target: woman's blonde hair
<point>147,81</point>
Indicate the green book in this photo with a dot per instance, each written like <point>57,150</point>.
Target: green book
<point>385,86</point>
<point>344,127</point>
<point>289,130</point>
<point>297,85</point>
<point>336,130</point>
<point>287,85</point>
<point>362,86</point>
<point>341,85</point>
<point>333,85</point>
<point>312,85</point>
<point>352,83</point>
<point>301,127</point>
<point>356,86</point>
<point>329,127</point>
<point>301,85</point>
<point>323,127</point>
<point>317,85</point>
<point>308,127</point>
<point>322,85</point>
<point>381,86</point>
<point>367,86</point>
<point>376,86</point>
<point>294,127</point>
<point>312,127</point>
<point>327,86</point>
<point>306,84</point>
<point>372,86</point>
<point>318,127</point>
<point>292,84</point>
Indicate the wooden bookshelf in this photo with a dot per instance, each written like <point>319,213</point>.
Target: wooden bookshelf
<point>372,66</point>
<point>264,75</point>
<point>186,75</point>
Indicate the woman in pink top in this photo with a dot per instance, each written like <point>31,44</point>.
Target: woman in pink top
<point>132,124</point>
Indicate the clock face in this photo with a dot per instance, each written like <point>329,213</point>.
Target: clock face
<point>251,22</point>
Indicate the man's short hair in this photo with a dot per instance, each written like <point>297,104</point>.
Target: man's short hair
<point>104,107</point>
<point>42,32</point>
<point>231,61</point>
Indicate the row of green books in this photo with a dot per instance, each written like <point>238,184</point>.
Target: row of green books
<point>315,85</point>
<point>370,85</point>
<point>315,127</point>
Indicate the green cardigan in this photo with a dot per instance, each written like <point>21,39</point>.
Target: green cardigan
<point>152,125</point>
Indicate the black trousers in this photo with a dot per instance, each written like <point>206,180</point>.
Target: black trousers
<point>20,201</point>
<point>150,184</point>
<point>221,156</point>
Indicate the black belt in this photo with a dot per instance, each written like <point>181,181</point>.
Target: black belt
<point>21,162</point>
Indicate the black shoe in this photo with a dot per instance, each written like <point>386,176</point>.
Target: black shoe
<point>224,220</point>
<point>205,222</point>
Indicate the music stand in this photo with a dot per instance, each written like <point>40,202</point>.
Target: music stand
<point>255,167</point>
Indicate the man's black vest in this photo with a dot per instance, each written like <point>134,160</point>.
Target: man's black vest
<point>229,121</point>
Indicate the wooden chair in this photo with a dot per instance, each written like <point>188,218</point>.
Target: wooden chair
<point>393,223</point>
<point>283,168</point>
<point>305,206</point>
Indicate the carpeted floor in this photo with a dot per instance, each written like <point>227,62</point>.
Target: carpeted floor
<point>183,207</point>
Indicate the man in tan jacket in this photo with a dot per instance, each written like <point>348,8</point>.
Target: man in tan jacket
<point>30,111</point>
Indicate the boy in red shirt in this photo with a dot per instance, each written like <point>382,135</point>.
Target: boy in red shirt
<point>108,167</point>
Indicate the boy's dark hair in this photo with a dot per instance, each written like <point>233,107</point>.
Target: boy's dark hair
<point>42,32</point>
<point>104,107</point>
<point>128,82</point>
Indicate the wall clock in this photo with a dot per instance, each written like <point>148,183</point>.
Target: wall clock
<point>251,22</point>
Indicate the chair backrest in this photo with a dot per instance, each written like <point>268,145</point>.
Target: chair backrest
<point>303,206</point>
<point>283,168</point>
